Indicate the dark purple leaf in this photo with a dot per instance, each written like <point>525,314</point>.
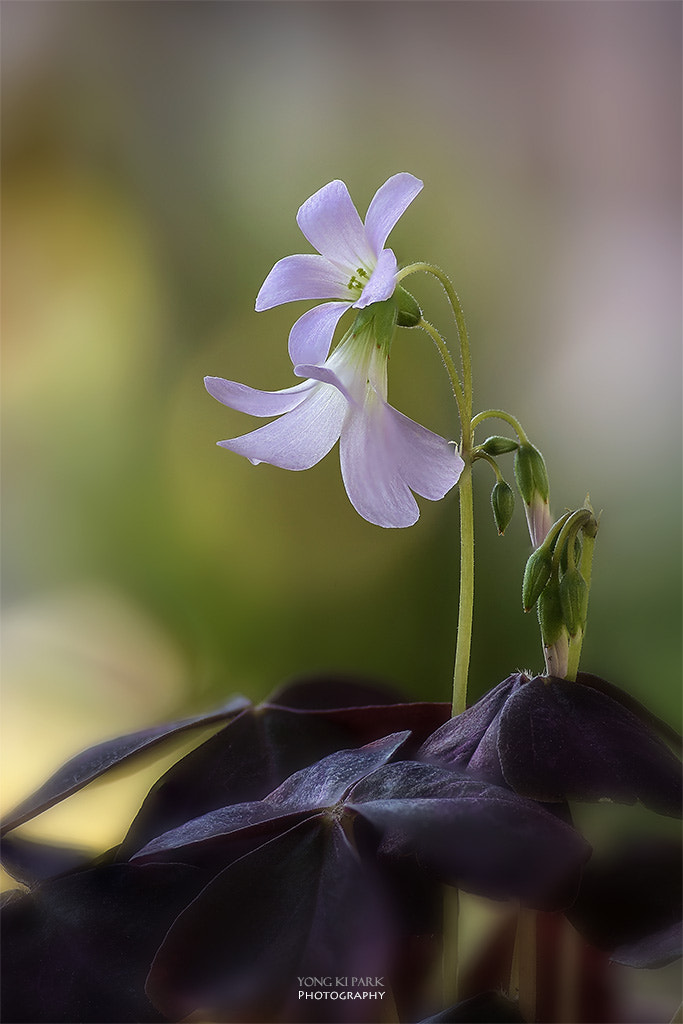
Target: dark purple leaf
<point>30,862</point>
<point>260,748</point>
<point>655,724</point>
<point>559,740</point>
<point>487,1008</point>
<point>300,905</point>
<point>232,767</point>
<point>630,902</point>
<point>475,835</point>
<point>326,782</point>
<point>365,708</point>
<point>212,837</point>
<point>78,948</point>
<point>219,837</point>
<point>459,739</point>
<point>658,950</point>
<point>90,764</point>
<point>334,691</point>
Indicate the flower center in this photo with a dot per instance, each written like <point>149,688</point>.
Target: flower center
<point>358,280</point>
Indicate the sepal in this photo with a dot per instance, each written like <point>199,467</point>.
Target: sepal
<point>408,312</point>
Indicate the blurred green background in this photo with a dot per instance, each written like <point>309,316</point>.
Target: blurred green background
<point>155,155</point>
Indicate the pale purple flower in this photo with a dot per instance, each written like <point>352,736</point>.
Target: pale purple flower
<point>384,455</point>
<point>353,268</point>
<point>538,519</point>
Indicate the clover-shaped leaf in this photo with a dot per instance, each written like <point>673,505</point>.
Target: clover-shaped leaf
<point>553,740</point>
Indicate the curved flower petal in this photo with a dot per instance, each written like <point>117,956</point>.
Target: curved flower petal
<point>257,403</point>
<point>429,464</point>
<point>382,282</point>
<point>330,222</point>
<point>311,336</point>
<point>300,438</point>
<point>326,376</point>
<point>369,465</point>
<point>383,455</point>
<point>390,202</point>
<point>305,276</point>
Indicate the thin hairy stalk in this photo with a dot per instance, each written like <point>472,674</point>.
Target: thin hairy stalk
<point>456,306</point>
<point>466,598</point>
<point>500,414</point>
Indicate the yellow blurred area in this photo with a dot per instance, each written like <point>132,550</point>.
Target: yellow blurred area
<point>154,157</point>
<point>79,668</point>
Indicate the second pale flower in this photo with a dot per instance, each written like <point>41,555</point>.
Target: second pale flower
<point>385,456</point>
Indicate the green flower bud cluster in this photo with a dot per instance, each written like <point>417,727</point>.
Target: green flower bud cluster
<point>531,477</point>
<point>553,580</point>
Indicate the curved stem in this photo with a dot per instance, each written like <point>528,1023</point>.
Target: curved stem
<point>455,304</point>
<point>572,524</point>
<point>479,454</point>
<point>500,414</point>
<point>451,371</point>
<point>463,396</point>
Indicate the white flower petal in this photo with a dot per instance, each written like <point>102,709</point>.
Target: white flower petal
<point>389,203</point>
<point>369,465</point>
<point>305,276</point>
<point>382,283</point>
<point>300,438</point>
<point>326,376</point>
<point>384,455</point>
<point>257,403</point>
<point>330,222</point>
<point>311,336</point>
<point>428,463</point>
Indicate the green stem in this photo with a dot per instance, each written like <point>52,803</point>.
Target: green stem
<point>463,395</point>
<point>479,454</point>
<point>456,306</point>
<point>466,598</point>
<point>451,371</point>
<point>466,601</point>
<point>500,414</point>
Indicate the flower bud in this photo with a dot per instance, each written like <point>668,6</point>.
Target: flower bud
<point>499,445</point>
<point>574,600</point>
<point>409,313</point>
<point>550,616</point>
<point>531,474</point>
<point>536,575</point>
<point>532,480</point>
<point>503,504</point>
